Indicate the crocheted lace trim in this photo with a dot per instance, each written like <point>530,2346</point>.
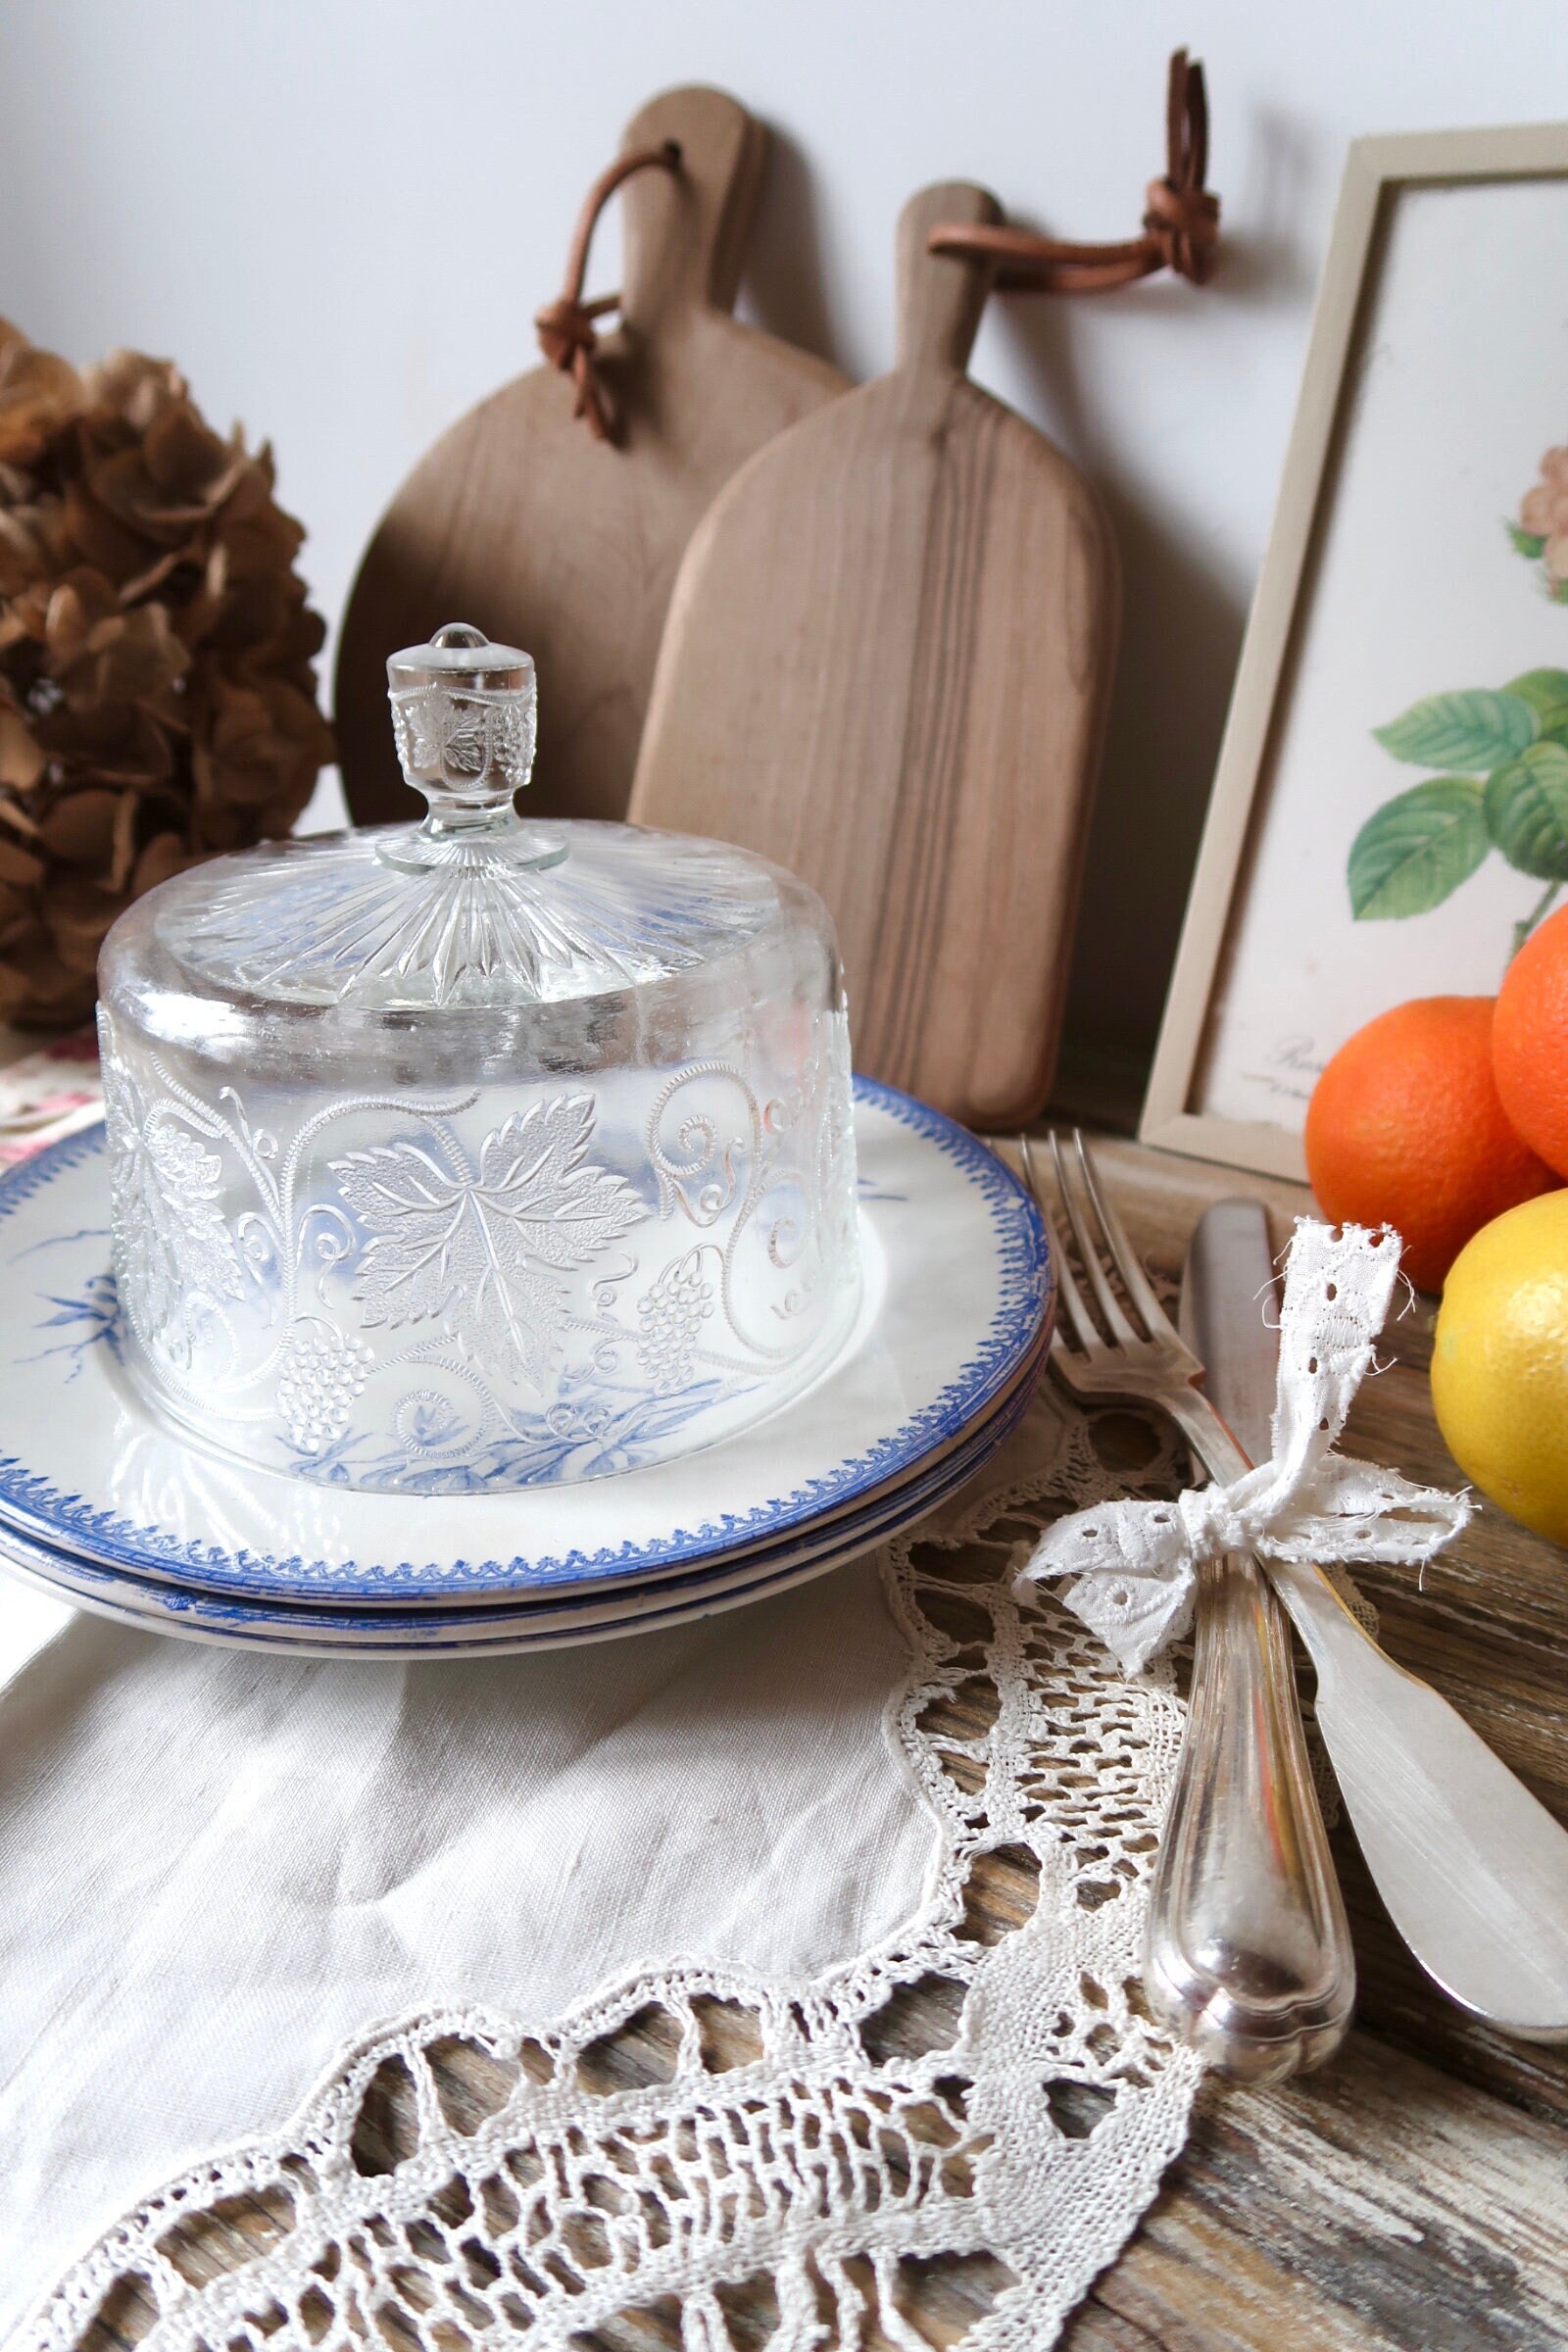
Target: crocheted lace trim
<point>698,2138</point>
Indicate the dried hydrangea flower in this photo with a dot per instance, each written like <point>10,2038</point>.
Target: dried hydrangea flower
<point>157,681</point>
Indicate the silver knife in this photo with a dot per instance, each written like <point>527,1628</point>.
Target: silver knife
<point>1472,1868</point>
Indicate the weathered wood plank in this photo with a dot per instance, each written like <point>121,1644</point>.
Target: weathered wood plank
<point>1379,2206</point>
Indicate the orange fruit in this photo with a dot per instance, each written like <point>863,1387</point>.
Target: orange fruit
<point>1405,1128</point>
<point>1530,1041</point>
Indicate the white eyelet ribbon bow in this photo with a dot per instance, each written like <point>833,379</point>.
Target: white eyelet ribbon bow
<point>1134,1565</point>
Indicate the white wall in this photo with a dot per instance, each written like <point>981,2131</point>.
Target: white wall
<point>277,194</point>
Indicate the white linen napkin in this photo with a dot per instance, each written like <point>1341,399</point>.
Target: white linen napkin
<point>216,1867</point>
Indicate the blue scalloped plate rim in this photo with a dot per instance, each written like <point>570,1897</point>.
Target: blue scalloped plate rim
<point>1024,1309</point>
<point>336,1634</point>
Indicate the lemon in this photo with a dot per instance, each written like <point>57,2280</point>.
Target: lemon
<point>1499,1363</point>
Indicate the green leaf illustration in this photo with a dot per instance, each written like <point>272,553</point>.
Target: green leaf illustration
<point>1528,543</point>
<point>1416,849</point>
<point>1546,693</point>
<point>1527,811</point>
<point>1474,729</point>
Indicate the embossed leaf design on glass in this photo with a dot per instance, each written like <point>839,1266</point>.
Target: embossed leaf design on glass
<point>473,1250</point>
<point>166,1210</point>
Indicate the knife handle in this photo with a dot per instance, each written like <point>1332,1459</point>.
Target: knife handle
<point>1248,1954</point>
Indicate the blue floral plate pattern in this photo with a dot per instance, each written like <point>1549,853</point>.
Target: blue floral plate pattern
<point>958,1295</point>
<point>390,1635</point>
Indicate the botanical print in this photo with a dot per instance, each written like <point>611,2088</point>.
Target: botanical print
<point>1512,743</point>
<point>1541,530</point>
<point>1503,758</point>
<point>1410,822</point>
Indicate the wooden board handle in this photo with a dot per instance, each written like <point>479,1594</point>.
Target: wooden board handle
<point>684,234</point>
<point>941,296</point>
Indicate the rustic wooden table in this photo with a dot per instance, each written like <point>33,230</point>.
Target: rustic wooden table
<point>1414,2196</point>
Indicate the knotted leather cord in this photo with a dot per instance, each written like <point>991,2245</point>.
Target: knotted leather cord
<point>567,336</point>
<point>1181,219</point>
<point>1181,227</point>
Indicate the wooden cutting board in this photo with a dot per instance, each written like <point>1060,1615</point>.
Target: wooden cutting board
<point>886,664</point>
<point>521,521</point>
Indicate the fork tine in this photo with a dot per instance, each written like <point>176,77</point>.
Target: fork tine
<point>1067,1289</point>
<point>1129,1266</point>
<point>1110,1306</point>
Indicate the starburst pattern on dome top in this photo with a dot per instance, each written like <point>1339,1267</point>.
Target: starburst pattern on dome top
<point>617,911</point>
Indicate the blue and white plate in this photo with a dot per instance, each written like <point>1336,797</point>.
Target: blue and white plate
<point>959,1294</point>
<point>392,1634</point>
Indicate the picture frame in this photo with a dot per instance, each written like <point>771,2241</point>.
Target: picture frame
<point>1219,1090</point>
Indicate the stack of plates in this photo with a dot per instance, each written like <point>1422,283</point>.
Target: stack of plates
<point>102,1507</point>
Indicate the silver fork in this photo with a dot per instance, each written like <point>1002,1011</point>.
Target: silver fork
<point>1247,1952</point>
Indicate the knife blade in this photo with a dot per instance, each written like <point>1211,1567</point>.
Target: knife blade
<point>1472,1868</point>
<point>1227,1328</point>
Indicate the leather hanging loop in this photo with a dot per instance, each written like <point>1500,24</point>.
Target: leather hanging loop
<point>568,334</point>
<point>1181,219</point>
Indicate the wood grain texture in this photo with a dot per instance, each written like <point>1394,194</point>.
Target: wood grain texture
<point>1414,2196</point>
<point>886,666</point>
<point>521,522</point>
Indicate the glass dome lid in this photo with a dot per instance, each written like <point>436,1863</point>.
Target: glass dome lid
<point>474,907</point>
<point>477,1153</point>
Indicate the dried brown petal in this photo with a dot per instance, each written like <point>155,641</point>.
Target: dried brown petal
<point>39,396</point>
<point>267,742</point>
<point>129,390</point>
<point>79,829</point>
<point>103,542</point>
<point>34,541</point>
<point>258,534</point>
<point>79,604</point>
<point>174,481</point>
<point>164,855</point>
<point>23,758</point>
<point>113,743</point>
<point>98,652</point>
<point>78,912</point>
<point>19,865</point>
<point>13,816</point>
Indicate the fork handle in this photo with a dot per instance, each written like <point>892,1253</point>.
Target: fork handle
<point>1248,1952</point>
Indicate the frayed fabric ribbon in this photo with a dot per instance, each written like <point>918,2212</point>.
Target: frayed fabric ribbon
<point>1134,1567</point>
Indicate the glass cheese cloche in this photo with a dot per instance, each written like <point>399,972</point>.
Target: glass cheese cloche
<point>475,1154</point>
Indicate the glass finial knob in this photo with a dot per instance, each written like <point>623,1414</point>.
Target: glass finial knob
<point>464,714</point>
